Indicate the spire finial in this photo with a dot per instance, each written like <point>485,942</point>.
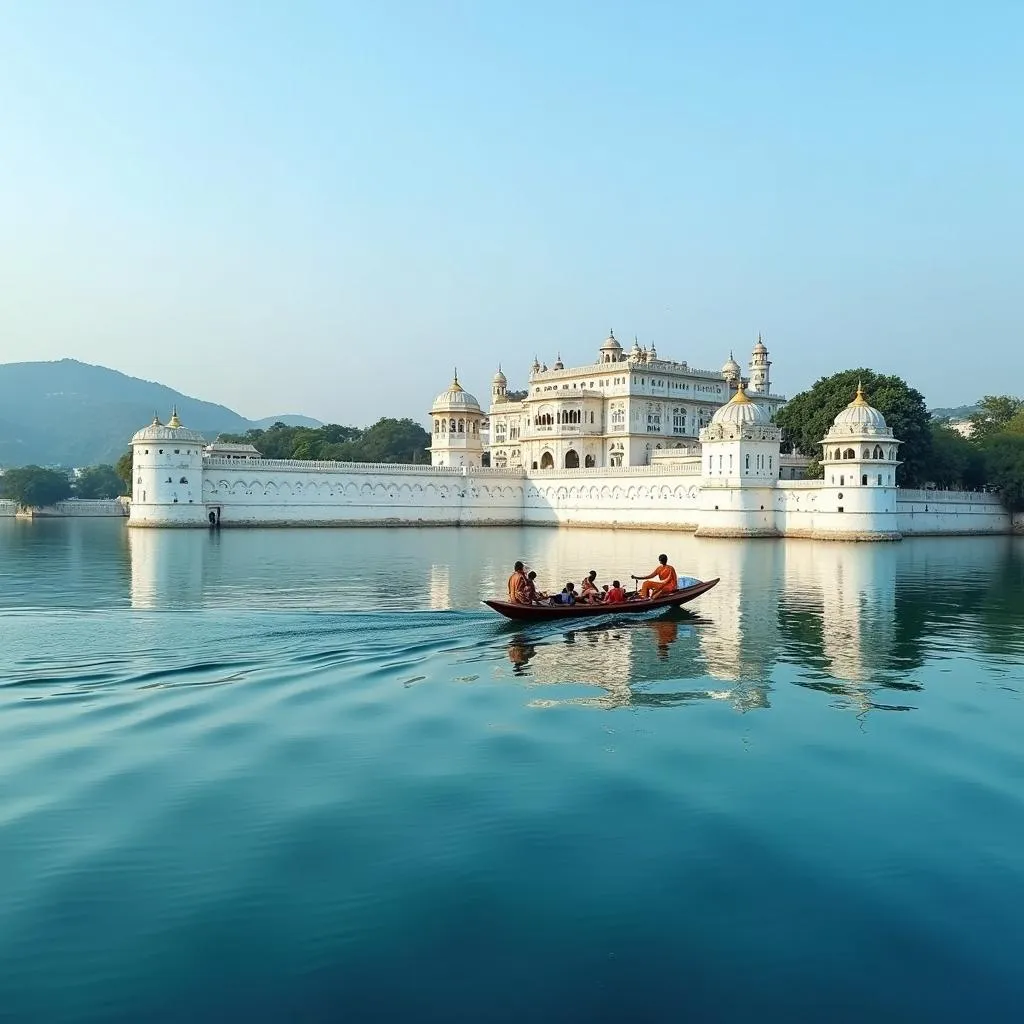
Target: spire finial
<point>860,399</point>
<point>174,422</point>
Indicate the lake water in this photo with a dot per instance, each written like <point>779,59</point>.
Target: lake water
<point>303,775</point>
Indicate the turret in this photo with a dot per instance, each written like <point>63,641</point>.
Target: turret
<point>456,419</point>
<point>499,387</point>
<point>167,475</point>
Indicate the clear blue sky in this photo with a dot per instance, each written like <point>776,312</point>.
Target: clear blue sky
<point>321,207</point>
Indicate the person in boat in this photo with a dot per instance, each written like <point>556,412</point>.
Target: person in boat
<point>567,596</point>
<point>660,582</point>
<point>518,585</point>
<point>531,587</point>
<point>589,594</point>
<point>615,595</point>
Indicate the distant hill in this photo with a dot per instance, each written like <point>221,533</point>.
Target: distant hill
<point>74,414</point>
<point>288,421</point>
<point>960,412</point>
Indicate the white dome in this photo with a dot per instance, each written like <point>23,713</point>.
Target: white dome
<point>759,348</point>
<point>611,343</point>
<point>499,378</point>
<point>860,416</point>
<point>740,411</point>
<point>455,399</point>
<point>171,431</point>
<point>730,368</point>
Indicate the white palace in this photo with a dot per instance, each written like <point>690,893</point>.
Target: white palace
<point>621,410</point>
<point>631,441</point>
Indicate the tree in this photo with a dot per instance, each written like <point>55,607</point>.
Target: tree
<point>807,417</point>
<point>995,412</point>
<point>124,469</point>
<point>388,440</point>
<point>391,440</point>
<point>100,482</point>
<point>34,487</point>
<point>955,461</point>
<point>1004,468</point>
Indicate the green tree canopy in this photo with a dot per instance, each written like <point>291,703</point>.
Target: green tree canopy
<point>388,440</point>
<point>34,486</point>
<point>994,415</point>
<point>955,462</point>
<point>1004,468</point>
<point>123,468</point>
<point>807,417</point>
<point>99,482</point>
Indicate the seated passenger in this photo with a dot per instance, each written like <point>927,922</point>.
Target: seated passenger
<point>567,596</point>
<point>531,589</point>
<point>616,595</point>
<point>589,594</point>
<point>518,592</point>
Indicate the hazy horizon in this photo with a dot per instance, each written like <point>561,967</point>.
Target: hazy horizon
<point>320,209</point>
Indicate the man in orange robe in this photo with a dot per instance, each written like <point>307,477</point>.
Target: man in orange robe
<point>665,577</point>
<point>518,586</point>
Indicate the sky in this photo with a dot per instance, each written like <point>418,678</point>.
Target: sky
<point>323,208</point>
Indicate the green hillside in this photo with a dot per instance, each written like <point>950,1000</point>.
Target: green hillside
<point>74,414</point>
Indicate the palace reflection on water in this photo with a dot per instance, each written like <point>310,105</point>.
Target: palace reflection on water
<point>851,620</point>
<point>854,621</point>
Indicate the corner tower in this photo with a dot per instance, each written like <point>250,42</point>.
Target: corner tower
<point>739,469</point>
<point>858,498</point>
<point>167,475</point>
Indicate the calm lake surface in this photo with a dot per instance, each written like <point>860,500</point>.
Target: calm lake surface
<point>302,775</point>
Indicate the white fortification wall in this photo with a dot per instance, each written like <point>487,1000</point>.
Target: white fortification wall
<point>8,508</point>
<point>261,492</point>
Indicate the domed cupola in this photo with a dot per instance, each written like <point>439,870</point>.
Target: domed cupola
<point>731,369</point>
<point>860,417</point>
<point>499,387</point>
<point>558,365</point>
<point>636,352</point>
<point>536,365</point>
<point>740,412</point>
<point>455,398</point>
<point>458,422</point>
<point>611,350</point>
<point>172,430</point>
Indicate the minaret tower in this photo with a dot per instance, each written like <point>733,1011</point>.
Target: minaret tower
<point>760,367</point>
<point>499,387</point>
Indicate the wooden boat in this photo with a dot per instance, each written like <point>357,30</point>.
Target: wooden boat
<point>545,612</point>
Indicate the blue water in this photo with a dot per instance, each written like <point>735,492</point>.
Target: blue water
<point>301,775</point>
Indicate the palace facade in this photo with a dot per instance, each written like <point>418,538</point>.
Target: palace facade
<point>620,410</point>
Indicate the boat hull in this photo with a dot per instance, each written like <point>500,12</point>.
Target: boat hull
<point>547,612</point>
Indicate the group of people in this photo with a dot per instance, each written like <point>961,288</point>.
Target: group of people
<point>522,587</point>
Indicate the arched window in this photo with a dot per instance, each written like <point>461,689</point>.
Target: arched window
<point>849,454</point>
<point>462,426</point>
<point>572,459</point>
<point>838,454</point>
<point>451,426</point>
<point>879,479</point>
<point>183,480</point>
<point>547,461</point>
<point>878,453</point>
<point>589,462</point>
<point>867,454</point>
<point>842,481</point>
<point>747,458</point>
<point>864,480</point>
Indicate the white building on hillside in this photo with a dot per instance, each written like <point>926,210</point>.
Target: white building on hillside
<point>617,411</point>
